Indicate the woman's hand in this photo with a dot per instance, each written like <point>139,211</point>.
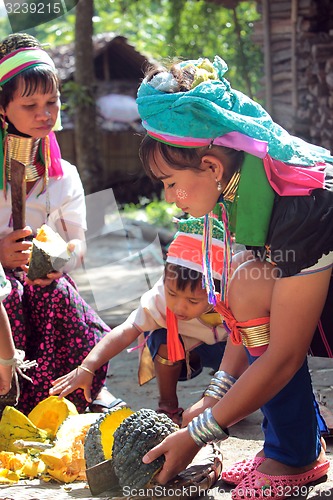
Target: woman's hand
<point>197,408</point>
<point>54,275</point>
<point>175,461</point>
<point>73,380</point>
<point>13,252</point>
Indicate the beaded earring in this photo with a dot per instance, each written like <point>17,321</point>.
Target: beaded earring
<point>219,185</point>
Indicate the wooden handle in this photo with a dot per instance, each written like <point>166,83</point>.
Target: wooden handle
<point>18,189</point>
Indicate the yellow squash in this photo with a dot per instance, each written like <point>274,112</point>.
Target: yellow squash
<point>15,425</point>
<point>65,461</point>
<point>50,413</point>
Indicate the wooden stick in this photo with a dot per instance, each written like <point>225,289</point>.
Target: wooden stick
<point>18,190</point>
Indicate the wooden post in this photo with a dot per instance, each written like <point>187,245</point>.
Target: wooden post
<point>18,192</point>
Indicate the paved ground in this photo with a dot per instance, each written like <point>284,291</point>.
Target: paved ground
<point>119,266</point>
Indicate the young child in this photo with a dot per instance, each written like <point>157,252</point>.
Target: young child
<point>177,318</point>
<point>215,148</point>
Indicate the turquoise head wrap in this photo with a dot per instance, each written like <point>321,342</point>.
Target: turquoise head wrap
<point>212,110</point>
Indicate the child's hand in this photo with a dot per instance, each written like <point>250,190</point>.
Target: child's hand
<point>75,379</point>
<point>6,375</point>
<point>77,249</point>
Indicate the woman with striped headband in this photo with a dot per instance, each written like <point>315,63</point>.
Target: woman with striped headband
<point>49,319</point>
<point>216,150</point>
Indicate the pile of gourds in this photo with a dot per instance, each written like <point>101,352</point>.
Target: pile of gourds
<point>49,442</point>
<point>56,442</point>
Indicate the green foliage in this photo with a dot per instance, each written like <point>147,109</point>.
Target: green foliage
<point>156,212</point>
<point>160,213</point>
<point>56,32</point>
<point>75,95</point>
<point>5,28</point>
<point>144,23</point>
<point>165,30</point>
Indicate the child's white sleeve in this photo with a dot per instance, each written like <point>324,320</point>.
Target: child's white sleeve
<point>151,312</point>
<point>5,286</point>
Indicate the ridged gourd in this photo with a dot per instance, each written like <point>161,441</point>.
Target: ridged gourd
<point>99,439</point>
<point>135,436</point>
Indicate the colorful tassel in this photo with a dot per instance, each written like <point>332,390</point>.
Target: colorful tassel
<point>207,275</point>
<point>227,258</point>
<point>175,347</point>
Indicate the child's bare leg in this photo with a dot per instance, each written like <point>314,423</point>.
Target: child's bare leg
<point>167,375</point>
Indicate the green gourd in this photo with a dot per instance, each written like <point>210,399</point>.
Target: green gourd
<point>49,253</point>
<point>134,437</point>
<point>99,439</point>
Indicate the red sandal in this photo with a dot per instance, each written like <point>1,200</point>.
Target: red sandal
<point>236,473</point>
<point>259,485</point>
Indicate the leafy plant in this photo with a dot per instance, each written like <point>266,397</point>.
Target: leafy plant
<point>74,95</point>
<point>161,213</point>
<point>169,29</point>
<point>156,212</point>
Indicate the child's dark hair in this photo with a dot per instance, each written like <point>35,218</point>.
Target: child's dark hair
<point>41,77</point>
<point>185,276</point>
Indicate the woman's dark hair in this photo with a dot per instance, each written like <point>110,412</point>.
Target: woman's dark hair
<point>41,77</point>
<point>179,158</point>
<point>183,76</point>
<point>186,158</point>
<point>185,276</point>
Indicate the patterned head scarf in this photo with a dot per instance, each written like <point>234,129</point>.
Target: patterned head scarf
<point>213,112</point>
<point>14,63</point>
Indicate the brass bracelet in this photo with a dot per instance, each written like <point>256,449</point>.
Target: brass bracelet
<point>87,370</point>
